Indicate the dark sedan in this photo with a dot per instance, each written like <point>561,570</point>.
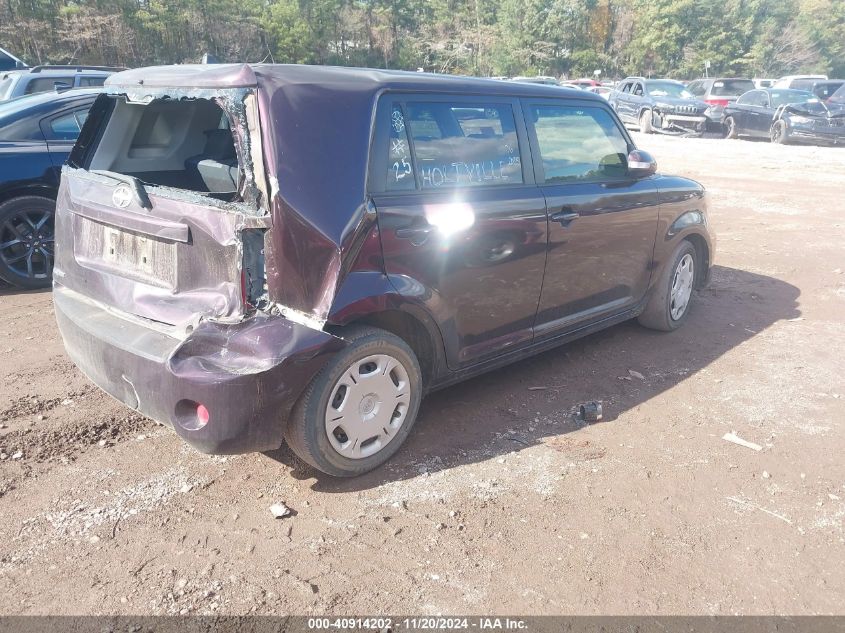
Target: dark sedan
<point>754,112</point>
<point>36,136</point>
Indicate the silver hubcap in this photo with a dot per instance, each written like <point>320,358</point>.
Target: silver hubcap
<point>368,405</point>
<point>682,287</point>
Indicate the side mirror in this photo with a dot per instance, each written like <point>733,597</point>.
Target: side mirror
<point>641,164</point>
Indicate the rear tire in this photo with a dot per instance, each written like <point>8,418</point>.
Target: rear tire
<point>664,311</point>
<point>26,241</point>
<point>646,126</point>
<point>730,128</point>
<point>360,408</point>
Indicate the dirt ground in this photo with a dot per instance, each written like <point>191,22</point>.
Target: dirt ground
<point>500,501</point>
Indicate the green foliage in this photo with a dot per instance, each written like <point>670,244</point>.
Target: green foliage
<point>482,37</point>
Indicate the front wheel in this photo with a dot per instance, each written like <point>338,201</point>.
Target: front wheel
<point>670,300</point>
<point>360,407</point>
<point>646,124</point>
<point>730,128</point>
<point>779,133</point>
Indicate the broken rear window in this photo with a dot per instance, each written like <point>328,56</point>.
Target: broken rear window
<point>185,144</point>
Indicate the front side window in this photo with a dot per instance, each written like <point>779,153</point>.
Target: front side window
<point>452,144</point>
<point>579,144</point>
<point>730,87</point>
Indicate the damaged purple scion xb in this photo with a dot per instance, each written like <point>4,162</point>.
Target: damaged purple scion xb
<point>254,254</point>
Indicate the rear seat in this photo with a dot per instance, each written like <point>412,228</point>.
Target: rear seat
<point>217,166</point>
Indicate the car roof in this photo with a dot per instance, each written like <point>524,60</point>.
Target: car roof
<point>343,79</point>
<point>45,101</point>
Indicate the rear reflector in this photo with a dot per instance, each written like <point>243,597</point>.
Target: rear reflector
<point>202,415</point>
<point>191,415</point>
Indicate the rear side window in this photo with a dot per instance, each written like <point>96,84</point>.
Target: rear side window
<point>6,87</point>
<point>697,88</point>
<point>441,144</point>
<point>579,144</point>
<point>66,127</point>
<point>45,84</point>
<point>731,87</point>
<point>91,81</point>
<point>400,174</point>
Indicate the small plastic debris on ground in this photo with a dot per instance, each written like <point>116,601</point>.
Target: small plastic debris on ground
<point>795,319</point>
<point>636,374</point>
<point>537,388</point>
<point>736,439</point>
<point>833,497</point>
<point>590,411</point>
<point>141,437</point>
<point>17,455</point>
<point>67,401</point>
<point>101,443</point>
<point>186,488</point>
<point>279,510</point>
<point>766,474</point>
<point>2,426</point>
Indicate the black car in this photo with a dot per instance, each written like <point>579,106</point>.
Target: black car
<point>814,122</point>
<point>781,115</point>
<point>659,105</point>
<point>36,136</point>
<point>230,264</point>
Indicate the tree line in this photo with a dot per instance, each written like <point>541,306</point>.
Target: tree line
<point>564,38</point>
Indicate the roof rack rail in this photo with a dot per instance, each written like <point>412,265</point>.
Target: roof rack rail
<point>74,68</point>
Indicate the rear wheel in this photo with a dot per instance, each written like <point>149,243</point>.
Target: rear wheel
<point>779,133</point>
<point>360,408</point>
<point>730,128</point>
<point>670,300</point>
<point>26,241</point>
<point>646,125</point>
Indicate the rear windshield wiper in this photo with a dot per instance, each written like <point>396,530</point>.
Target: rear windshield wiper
<point>134,183</point>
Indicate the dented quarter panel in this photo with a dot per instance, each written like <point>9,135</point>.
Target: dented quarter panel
<point>683,215</point>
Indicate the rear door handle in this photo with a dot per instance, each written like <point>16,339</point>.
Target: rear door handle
<point>565,217</point>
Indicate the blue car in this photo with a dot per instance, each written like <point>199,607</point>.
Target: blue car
<point>36,136</point>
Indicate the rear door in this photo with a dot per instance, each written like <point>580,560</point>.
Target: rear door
<point>602,223</point>
<point>463,226</point>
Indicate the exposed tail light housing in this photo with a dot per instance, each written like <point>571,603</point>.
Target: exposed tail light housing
<point>191,415</point>
<point>717,102</point>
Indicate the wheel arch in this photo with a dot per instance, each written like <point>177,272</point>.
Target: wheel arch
<point>41,190</point>
<point>368,298</point>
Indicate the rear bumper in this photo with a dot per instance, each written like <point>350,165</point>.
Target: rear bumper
<point>248,374</point>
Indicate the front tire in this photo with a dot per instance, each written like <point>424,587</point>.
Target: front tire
<point>26,241</point>
<point>668,307</point>
<point>730,128</point>
<point>360,407</point>
<point>779,133</point>
<point>646,125</point>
